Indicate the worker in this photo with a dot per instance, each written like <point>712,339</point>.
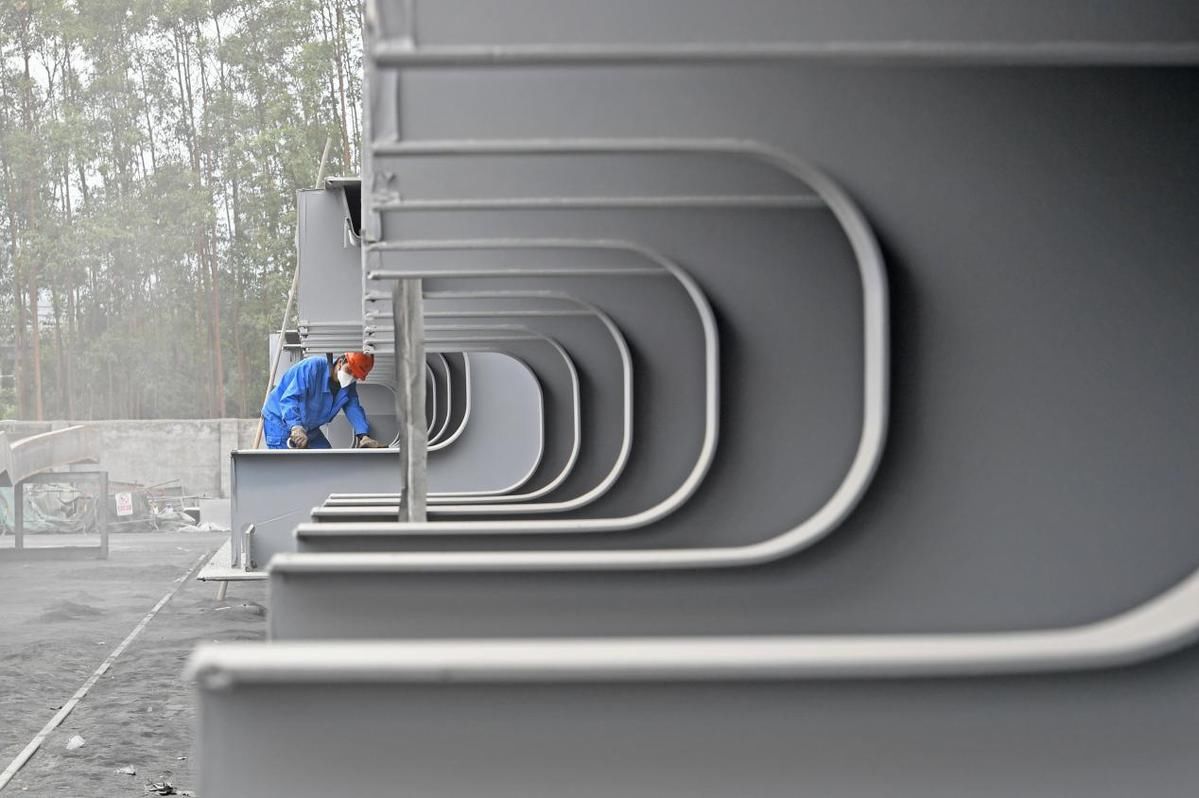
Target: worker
<point>310,395</point>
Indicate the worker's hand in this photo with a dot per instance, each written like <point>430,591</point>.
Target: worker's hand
<point>298,438</point>
<point>367,442</point>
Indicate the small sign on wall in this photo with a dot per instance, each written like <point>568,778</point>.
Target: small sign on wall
<point>124,504</point>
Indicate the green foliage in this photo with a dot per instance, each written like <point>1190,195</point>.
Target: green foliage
<point>150,151</point>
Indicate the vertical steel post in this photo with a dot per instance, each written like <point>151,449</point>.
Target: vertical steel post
<point>408,319</point>
<point>102,514</point>
<point>381,122</point>
<point>18,500</point>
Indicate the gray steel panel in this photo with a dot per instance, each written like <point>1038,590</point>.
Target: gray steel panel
<point>502,445</point>
<point>546,22</point>
<point>274,489</point>
<point>1112,733</point>
<point>330,289</point>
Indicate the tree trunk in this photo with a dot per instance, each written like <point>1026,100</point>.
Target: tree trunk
<point>68,358</point>
<point>60,360</point>
<point>149,123</point>
<point>35,348</point>
<point>210,247</point>
<point>338,55</point>
<point>19,379</point>
<point>31,214</point>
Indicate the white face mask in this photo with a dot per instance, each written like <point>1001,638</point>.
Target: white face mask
<point>344,378</point>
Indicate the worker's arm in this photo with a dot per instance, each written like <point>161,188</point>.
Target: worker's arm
<point>355,413</point>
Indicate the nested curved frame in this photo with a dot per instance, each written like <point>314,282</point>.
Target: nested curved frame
<point>617,468</point>
<point>445,439</point>
<point>845,496</point>
<point>430,396</point>
<point>523,478</point>
<point>487,343</point>
<point>588,496</point>
<point>660,265</point>
<point>621,344</point>
<point>484,336</point>
<point>466,338</point>
<point>436,434</point>
<point>448,439</point>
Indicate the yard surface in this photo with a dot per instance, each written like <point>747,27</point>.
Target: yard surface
<point>61,620</point>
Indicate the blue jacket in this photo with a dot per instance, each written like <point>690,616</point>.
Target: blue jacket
<point>304,398</point>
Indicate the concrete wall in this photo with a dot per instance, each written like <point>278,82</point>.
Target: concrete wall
<point>194,451</point>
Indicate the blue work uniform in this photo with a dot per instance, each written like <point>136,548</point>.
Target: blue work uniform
<point>304,398</point>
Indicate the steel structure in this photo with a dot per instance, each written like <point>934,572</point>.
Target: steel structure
<point>957,476</point>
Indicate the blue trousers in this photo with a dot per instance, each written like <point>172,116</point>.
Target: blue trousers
<point>276,437</point>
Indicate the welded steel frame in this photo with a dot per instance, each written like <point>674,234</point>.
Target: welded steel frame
<point>530,316</point>
<point>659,267</point>
<point>876,353</point>
<point>21,551</point>
<point>1156,627</point>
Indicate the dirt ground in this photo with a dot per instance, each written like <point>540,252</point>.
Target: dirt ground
<point>60,620</point>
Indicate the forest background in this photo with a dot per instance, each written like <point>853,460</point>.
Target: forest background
<point>150,152</point>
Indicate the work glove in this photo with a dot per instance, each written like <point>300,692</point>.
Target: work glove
<point>367,442</point>
<point>298,438</point>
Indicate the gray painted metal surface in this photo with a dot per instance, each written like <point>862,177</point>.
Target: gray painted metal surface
<point>488,720</point>
<point>274,489</point>
<point>329,288</point>
<point>502,445</point>
<point>919,29</point>
<point>1032,511</point>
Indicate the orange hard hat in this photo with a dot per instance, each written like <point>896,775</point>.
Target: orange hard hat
<point>359,364</point>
